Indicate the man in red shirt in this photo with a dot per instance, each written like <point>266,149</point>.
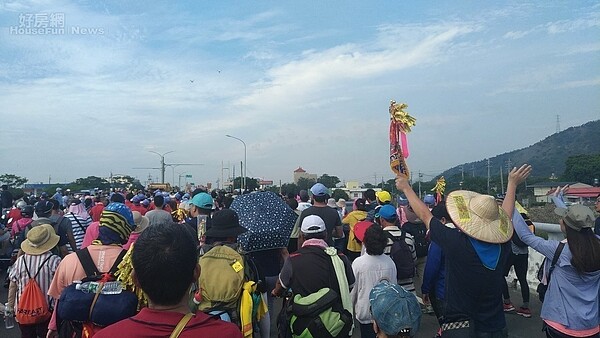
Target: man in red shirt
<point>96,210</point>
<point>165,264</point>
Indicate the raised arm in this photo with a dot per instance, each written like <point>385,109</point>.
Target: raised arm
<point>416,204</point>
<point>515,177</point>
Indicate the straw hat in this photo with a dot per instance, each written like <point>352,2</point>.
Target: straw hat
<point>479,216</point>
<point>40,239</point>
<point>141,222</point>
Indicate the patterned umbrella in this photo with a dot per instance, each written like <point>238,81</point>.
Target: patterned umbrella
<point>267,217</point>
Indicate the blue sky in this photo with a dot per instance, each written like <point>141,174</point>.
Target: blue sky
<point>303,83</point>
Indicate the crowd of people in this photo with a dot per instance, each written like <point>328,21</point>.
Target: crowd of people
<point>380,265</point>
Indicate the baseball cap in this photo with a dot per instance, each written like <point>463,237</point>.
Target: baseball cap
<point>576,216</point>
<point>319,190</point>
<point>383,196</point>
<point>429,200</point>
<point>202,200</point>
<point>387,212</point>
<point>394,309</point>
<point>312,224</point>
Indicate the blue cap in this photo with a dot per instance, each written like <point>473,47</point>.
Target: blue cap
<point>429,199</point>
<point>203,200</point>
<point>394,309</point>
<point>319,190</point>
<point>387,212</point>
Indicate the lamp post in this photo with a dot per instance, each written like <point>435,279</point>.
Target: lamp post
<point>162,163</point>
<point>245,161</point>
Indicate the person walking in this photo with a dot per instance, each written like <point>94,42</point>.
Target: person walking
<point>39,263</point>
<point>369,269</point>
<point>572,301</point>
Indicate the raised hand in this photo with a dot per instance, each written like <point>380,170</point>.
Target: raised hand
<point>518,175</point>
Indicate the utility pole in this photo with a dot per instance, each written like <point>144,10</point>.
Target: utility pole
<point>462,172</point>
<point>502,180</point>
<point>420,176</point>
<point>488,177</point>
<point>558,123</point>
<point>473,169</point>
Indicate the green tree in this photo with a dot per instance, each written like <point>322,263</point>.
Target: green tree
<point>288,188</point>
<point>305,183</point>
<point>582,168</point>
<point>13,181</point>
<point>339,193</point>
<point>89,183</point>
<point>369,185</point>
<point>328,181</point>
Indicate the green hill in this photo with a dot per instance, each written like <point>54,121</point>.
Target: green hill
<point>547,156</point>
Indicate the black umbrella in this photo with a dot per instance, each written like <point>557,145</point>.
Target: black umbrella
<point>267,217</point>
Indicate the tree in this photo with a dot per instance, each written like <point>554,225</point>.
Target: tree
<point>90,183</point>
<point>582,168</point>
<point>369,185</point>
<point>305,183</point>
<point>328,181</point>
<point>339,193</point>
<point>288,188</point>
<point>127,182</point>
<point>13,181</point>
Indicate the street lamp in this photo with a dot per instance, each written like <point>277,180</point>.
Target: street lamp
<point>162,163</point>
<point>245,161</point>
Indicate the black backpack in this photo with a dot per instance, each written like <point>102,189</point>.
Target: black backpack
<point>402,257</point>
<point>419,233</point>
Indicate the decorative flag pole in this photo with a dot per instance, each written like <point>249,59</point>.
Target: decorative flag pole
<point>439,188</point>
<point>400,124</point>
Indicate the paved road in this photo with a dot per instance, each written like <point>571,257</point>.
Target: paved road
<point>519,327</point>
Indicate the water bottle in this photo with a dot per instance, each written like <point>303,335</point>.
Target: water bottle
<point>9,319</point>
<point>109,288</point>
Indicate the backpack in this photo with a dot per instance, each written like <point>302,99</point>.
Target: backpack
<point>542,288</point>
<point>81,314</point>
<point>402,257</point>
<point>419,233</point>
<point>33,304</point>
<point>321,314</point>
<point>221,283</point>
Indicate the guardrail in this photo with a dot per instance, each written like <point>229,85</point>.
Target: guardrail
<point>535,258</point>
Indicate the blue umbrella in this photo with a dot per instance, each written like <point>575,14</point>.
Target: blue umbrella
<point>267,217</point>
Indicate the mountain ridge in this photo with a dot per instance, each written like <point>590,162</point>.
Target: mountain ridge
<point>547,156</point>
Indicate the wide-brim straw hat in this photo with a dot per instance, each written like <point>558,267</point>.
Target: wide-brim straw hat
<point>40,239</point>
<point>479,216</point>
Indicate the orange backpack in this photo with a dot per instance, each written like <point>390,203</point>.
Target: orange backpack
<point>33,304</point>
